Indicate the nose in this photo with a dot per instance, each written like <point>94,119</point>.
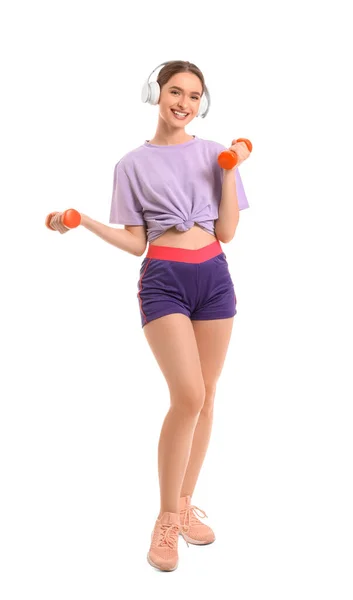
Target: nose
<point>182,103</point>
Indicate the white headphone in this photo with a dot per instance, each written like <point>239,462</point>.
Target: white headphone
<point>151,92</point>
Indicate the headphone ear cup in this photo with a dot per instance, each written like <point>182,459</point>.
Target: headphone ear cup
<point>145,92</point>
<point>150,92</point>
<point>155,92</point>
<point>203,106</point>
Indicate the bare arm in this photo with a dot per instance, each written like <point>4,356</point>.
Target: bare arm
<point>228,213</point>
<point>132,239</point>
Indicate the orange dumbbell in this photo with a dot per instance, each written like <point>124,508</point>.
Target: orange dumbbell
<point>71,218</point>
<point>228,158</point>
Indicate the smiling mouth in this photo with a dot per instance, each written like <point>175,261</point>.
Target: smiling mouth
<point>179,115</point>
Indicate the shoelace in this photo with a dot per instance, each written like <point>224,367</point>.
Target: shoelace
<point>169,535</point>
<point>189,513</point>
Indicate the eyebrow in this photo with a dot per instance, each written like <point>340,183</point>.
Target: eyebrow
<point>181,89</point>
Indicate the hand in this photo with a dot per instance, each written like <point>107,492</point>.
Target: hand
<point>55,223</point>
<point>241,150</point>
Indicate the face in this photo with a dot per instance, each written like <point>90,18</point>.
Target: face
<point>182,93</point>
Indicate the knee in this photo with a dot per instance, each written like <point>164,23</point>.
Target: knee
<point>208,404</point>
<point>189,399</point>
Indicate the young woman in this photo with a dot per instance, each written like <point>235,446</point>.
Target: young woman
<point>171,193</point>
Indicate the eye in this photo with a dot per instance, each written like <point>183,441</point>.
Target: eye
<point>177,92</point>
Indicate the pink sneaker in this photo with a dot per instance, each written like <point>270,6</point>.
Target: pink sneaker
<point>163,553</point>
<point>192,529</point>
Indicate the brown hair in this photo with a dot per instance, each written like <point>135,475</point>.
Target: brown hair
<point>179,66</point>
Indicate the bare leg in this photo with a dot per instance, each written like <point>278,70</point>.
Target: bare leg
<point>174,346</point>
<point>212,339</point>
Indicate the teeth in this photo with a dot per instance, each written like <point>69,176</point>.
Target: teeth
<point>179,113</point>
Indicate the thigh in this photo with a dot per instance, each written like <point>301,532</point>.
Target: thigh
<point>173,343</point>
<point>212,338</point>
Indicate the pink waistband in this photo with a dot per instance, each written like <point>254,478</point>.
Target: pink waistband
<point>185,254</point>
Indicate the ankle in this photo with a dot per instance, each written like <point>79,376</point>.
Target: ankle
<point>162,511</point>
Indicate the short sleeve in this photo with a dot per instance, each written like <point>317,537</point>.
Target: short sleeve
<point>125,206</point>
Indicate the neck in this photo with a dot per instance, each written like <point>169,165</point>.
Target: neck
<point>167,135</point>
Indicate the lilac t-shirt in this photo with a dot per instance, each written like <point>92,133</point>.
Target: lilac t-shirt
<point>170,186</point>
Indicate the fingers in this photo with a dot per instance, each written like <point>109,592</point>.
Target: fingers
<point>57,225</point>
<point>237,145</point>
<point>242,151</point>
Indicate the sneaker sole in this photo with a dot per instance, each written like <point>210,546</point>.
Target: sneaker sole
<point>160,568</point>
<point>195,542</point>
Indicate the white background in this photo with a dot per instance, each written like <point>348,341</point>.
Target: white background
<point>83,399</point>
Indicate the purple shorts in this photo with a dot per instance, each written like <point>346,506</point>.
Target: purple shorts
<point>196,283</point>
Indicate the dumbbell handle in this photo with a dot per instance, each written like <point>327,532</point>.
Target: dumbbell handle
<point>228,158</point>
<point>71,218</point>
